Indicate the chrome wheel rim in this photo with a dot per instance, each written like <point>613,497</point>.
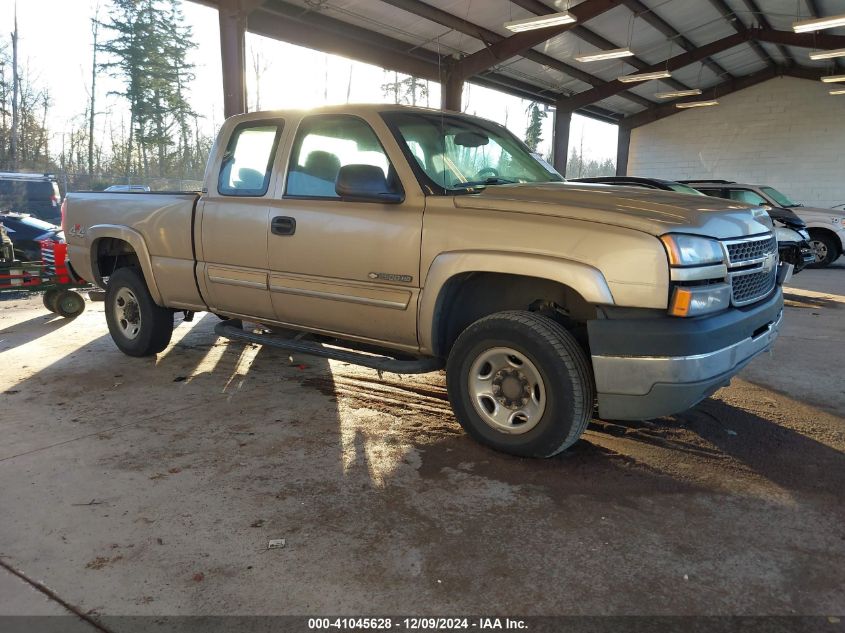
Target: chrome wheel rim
<point>507,390</point>
<point>127,313</point>
<point>820,250</point>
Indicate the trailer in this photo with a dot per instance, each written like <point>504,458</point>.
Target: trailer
<point>51,275</point>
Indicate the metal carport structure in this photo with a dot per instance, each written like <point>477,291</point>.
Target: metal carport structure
<point>717,46</point>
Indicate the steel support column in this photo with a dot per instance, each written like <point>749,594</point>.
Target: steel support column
<point>451,89</point>
<point>560,140</point>
<point>623,146</point>
<point>232,53</point>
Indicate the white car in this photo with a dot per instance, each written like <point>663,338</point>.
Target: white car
<point>825,226</point>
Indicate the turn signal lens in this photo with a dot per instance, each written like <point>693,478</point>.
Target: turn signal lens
<point>681,302</point>
<point>698,300</point>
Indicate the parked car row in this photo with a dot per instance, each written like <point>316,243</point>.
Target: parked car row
<point>806,235</point>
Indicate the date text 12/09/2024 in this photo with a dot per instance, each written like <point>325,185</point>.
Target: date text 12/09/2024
<point>415,624</point>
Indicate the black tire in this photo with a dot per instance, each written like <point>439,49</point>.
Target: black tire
<point>49,298</point>
<point>69,304</point>
<point>562,365</point>
<point>830,246</point>
<point>154,323</point>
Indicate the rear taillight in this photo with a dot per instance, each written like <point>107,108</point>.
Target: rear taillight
<point>55,200</point>
<point>64,215</point>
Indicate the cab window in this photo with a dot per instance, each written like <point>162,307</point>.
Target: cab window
<point>746,196</point>
<point>248,161</point>
<point>324,144</point>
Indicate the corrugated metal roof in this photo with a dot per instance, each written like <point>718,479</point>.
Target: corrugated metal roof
<point>643,25</point>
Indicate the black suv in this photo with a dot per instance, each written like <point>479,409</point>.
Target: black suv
<point>36,194</point>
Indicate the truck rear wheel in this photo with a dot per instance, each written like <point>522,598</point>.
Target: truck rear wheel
<point>137,325</point>
<point>519,383</point>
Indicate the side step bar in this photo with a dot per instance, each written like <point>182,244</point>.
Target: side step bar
<point>231,329</point>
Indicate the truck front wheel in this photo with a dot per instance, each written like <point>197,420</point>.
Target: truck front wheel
<point>137,325</point>
<point>520,383</point>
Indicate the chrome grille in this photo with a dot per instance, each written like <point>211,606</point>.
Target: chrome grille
<point>752,268</point>
<point>751,250</point>
<point>749,287</point>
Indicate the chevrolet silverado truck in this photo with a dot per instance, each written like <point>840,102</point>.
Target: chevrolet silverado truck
<point>409,240</point>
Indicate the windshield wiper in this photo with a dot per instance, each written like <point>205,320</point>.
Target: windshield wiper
<point>483,183</point>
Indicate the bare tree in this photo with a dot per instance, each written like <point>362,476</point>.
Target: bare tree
<point>92,111</point>
<point>259,66</point>
<point>15,137</point>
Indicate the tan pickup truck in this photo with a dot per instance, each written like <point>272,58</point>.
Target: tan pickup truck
<point>417,239</point>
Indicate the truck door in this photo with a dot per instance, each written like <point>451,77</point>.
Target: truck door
<point>343,267</point>
<point>235,220</point>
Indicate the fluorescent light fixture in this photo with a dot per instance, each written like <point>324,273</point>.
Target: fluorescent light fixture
<point>629,79</point>
<point>807,26</point>
<point>833,78</point>
<point>678,93</point>
<point>598,56</point>
<point>541,22</point>
<point>840,91</point>
<point>697,104</point>
<point>839,52</point>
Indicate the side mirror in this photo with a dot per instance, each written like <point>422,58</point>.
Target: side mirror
<point>365,183</point>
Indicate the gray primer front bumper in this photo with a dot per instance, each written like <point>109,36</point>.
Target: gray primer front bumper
<point>641,387</point>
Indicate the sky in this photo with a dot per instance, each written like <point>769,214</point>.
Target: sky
<point>55,49</point>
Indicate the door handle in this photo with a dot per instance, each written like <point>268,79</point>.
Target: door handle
<point>283,225</point>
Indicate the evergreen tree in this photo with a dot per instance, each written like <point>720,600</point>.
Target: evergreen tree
<point>410,90</point>
<point>534,131</point>
<point>148,50</point>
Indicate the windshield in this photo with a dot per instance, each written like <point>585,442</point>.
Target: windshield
<point>682,188</point>
<point>458,154</point>
<point>779,198</point>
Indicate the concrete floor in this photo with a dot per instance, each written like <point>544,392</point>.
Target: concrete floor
<point>152,486</point>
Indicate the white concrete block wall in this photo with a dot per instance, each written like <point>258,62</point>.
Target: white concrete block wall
<point>786,132</point>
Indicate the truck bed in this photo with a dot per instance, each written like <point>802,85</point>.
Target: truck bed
<point>159,227</point>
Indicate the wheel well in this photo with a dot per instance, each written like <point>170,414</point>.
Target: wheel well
<point>827,233</point>
<point>467,297</point>
<point>113,253</point>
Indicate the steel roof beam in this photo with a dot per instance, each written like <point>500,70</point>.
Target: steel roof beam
<point>651,17</point>
<point>764,23</point>
<point>444,18</point>
<point>591,37</point>
<point>725,88</point>
<point>684,59</point>
<point>519,43</point>
<point>820,41</point>
<point>282,21</point>
<point>737,24</point>
<point>815,12</point>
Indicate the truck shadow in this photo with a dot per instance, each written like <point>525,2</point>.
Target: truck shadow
<point>30,330</point>
<point>736,440</point>
<point>227,404</point>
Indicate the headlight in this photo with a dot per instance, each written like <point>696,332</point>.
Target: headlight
<point>691,250</point>
<point>805,234</point>
<point>698,300</point>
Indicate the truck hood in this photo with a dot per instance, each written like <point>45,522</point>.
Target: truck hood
<point>821,214</point>
<point>647,210</point>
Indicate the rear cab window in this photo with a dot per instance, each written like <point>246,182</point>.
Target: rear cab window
<point>324,144</point>
<point>247,165</point>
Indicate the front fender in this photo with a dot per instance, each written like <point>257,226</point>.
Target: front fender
<point>583,279</point>
<point>131,237</point>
